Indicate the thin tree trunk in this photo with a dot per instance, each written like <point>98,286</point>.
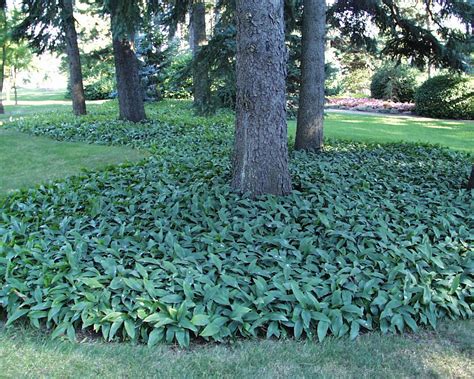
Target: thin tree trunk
<point>201,87</point>
<point>8,84</point>
<point>74,58</point>
<point>2,77</point>
<point>261,142</point>
<point>3,20</point>
<point>15,91</point>
<point>217,17</point>
<point>173,28</point>
<point>309,132</point>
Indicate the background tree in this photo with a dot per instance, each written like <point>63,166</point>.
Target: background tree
<point>74,58</point>
<point>125,18</point>
<point>50,25</point>
<point>261,150</point>
<point>198,39</point>
<point>175,13</point>
<point>3,48</point>
<point>220,54</point>
<point>405,37</point>
<point>429,40</point>
<point>309,132</point>
<point>19,57</point>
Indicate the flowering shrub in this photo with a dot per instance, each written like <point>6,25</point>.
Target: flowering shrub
<point>370,105</point>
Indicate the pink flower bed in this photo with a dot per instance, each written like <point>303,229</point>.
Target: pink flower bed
<point>370,105</point>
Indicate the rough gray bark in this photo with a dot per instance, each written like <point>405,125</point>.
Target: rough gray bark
<point>129,90</point>
<point>470,184</point>
<point>74,58</point>
<point>309,131</point>
<point>261,142</point>
<point>198,38</point>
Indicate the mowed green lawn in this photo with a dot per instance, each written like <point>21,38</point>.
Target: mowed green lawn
<point>34,101</point>
<point>442,354</point>
<point>39,95</point>
<point>26,160</point>
<point>458,135</point>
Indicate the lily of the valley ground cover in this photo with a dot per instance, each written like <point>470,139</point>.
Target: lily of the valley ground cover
<point>373,238</point>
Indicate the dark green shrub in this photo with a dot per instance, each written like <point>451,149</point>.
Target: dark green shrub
<point>333,85</point>
<point>99,74</point>
<point>178,80</point>
<point>446,96</point>
<point>99,89</point>
<point>394,82</point>
<point>155,57</point>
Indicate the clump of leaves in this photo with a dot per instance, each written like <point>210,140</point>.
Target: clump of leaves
<point>375,238</point>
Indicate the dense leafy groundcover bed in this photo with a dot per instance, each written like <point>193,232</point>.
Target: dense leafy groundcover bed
<point>374,238</point>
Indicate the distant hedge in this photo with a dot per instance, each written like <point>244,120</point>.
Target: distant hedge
<point>446,96</point>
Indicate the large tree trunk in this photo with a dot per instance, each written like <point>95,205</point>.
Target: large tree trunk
<point>201,86</point>
<point>74,58</point>
<point>309,131</point>
<point>261,142</point>
<point>129,90</point>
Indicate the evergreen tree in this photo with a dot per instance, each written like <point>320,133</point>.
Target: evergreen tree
<point>74,58</point>
<point>430,40</point>
<point>3,49</point>
<point>309,132</point>
<point>201,87</point>
<point>175,13</point>
<point>43,20</point>
<point>406,37</point>
<point>126,18</point>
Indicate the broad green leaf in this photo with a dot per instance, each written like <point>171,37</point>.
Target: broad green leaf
<point>155,337</point>
<point>323,327</point>
<point>130,328</point>
<point>214,327</point>
<point>200,320</point>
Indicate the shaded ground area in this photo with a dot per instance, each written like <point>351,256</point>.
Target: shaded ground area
<point>446,353</point>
